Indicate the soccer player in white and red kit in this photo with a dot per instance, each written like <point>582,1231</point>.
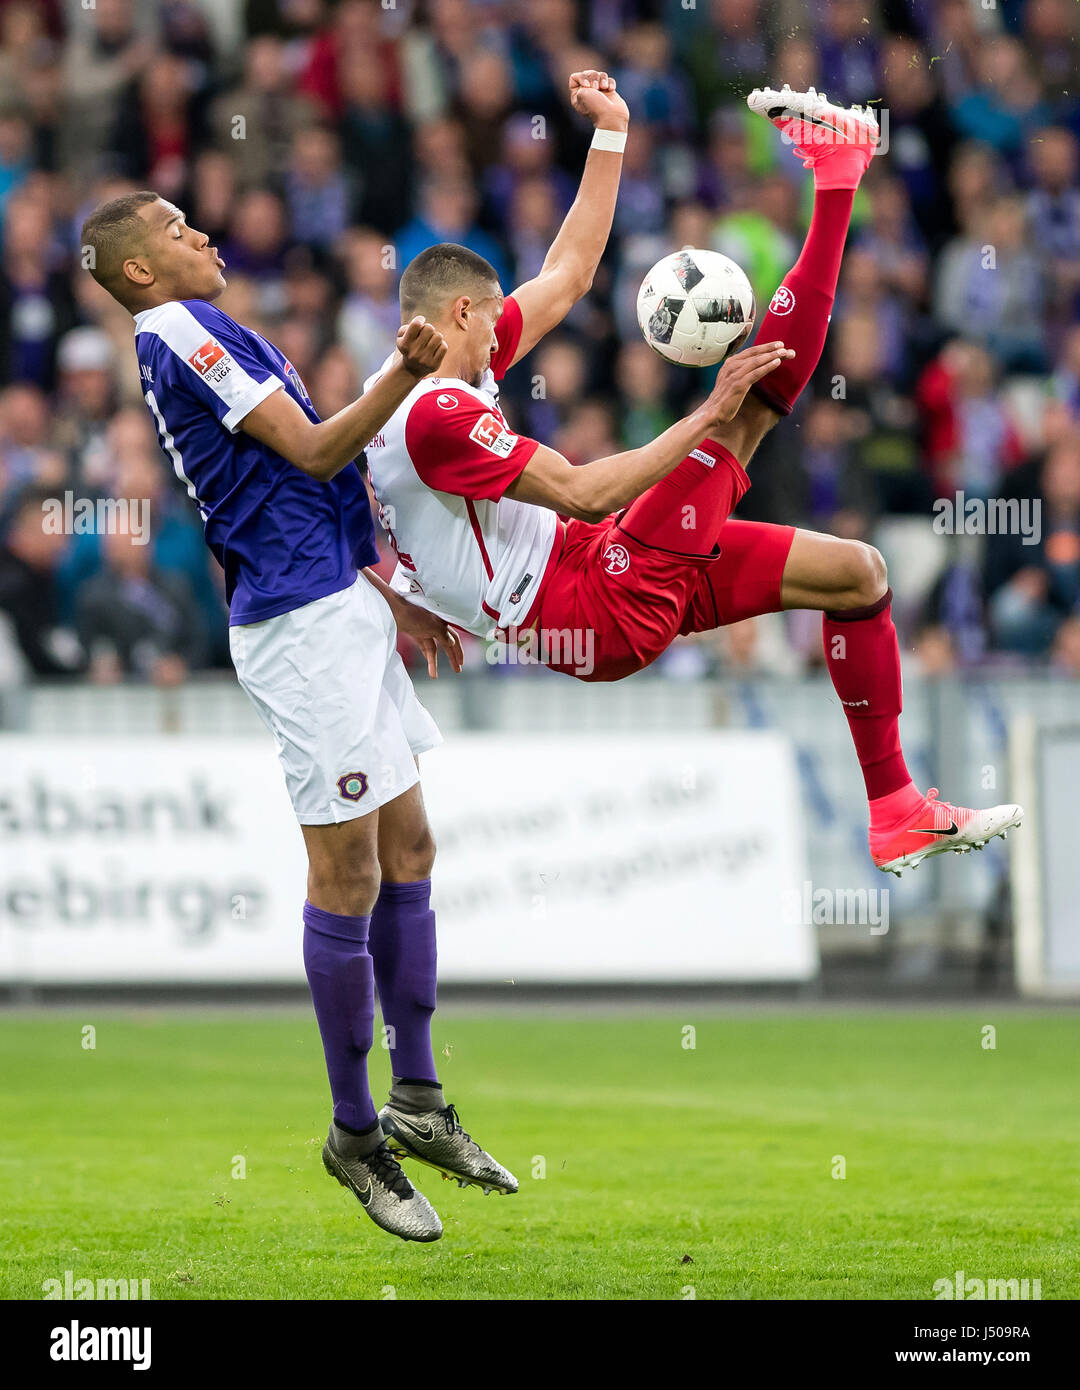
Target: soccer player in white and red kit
<point>647,550</point>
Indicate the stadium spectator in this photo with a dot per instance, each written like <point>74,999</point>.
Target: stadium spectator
<point>106,50</point>
<point>1005,106</point>
<point>971,440</point>
<point>1053,208</point>
<point>136,619</point>
<point>317,190</point>
<point>30,552</point>
<point>1034,586</point>
<point>255,121</point>
<point>991,286</point>
<point>376,139</point>
<point>36,303</point>
<point>448,209</point>
<point>369,314</point>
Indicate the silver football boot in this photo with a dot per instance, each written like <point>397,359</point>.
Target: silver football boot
<point>376,1179</point>
<point>434,1136</point>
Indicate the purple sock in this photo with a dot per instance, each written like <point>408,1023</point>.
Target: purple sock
<point>343,991</point>
<point>403,949</point>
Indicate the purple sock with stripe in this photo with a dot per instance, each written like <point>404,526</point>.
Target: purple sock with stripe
<point>403,949</point>
<point>339,971</point>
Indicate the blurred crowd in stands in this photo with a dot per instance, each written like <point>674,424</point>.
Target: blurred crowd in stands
<point>323,145</point>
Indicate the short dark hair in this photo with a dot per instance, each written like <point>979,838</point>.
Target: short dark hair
<point>440,273</point>
<point>112,232</point>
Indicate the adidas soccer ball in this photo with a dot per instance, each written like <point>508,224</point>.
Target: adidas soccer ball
<point>694,306</point>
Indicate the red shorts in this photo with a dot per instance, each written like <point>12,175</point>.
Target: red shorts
<point>623,603</point>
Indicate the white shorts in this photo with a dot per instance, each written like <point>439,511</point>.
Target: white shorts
<point>330,686</point>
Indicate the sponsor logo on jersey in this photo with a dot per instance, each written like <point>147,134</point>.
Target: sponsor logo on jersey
<point>294,375</point>
<point>703,457</point>
<point>520,587</point>
<point>352,785</point>
<point>491,432</point>
<point>445,401</point>
<point>202,359</point>
<point>782,302</point>
<point>212,362</point>
<point>616,559</point>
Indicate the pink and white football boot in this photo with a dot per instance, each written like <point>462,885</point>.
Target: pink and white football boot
<point>837,142</point>
<point>938,827</point>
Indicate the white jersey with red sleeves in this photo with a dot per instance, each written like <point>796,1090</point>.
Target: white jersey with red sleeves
<point>439,469</point>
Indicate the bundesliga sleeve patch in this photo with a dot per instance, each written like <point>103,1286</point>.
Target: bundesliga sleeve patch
<point>493,435</point>
<point>211,361</point>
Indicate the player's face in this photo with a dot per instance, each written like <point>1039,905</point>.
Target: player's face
<point>483,315</point>
<point>184,264</point>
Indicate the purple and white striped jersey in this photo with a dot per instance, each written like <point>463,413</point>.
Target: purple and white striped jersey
<point>283,538</point>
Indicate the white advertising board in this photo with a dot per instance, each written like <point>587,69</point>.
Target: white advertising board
<point>561,858</point>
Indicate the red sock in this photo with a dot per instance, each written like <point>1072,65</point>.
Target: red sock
<point>863,657</point>
<point>800,309</point>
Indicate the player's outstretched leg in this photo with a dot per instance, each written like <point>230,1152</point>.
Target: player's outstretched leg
<point>417,1122</point>
<point>762,569</point>
<point>838,145</point>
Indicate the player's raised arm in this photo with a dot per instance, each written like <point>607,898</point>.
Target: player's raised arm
<point>591,491</point>
<point>324,449</point>
<point>569,267</point>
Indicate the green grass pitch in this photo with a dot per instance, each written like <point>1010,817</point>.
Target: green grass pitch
<point>649,1169</point>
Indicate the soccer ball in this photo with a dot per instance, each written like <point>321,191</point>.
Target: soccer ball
<point>694,307</point>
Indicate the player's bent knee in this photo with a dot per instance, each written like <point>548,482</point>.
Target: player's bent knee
<point>865,574</point>
<point>878,578</point>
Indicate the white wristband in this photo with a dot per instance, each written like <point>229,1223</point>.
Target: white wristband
<point>614,140</point>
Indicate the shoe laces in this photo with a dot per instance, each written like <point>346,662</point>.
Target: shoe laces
<point>944,808</point>
<point>454,1125</point>
<point>389,1171</point>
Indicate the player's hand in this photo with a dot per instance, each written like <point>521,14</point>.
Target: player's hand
<point>738,374</point>
<point>431,635</point>
<point>593,94</point>
<point>422,347</point>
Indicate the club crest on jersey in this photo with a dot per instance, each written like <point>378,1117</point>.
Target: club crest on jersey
<point>212,362</point>
<point>492,434</point>
<point>782,302</point>
<point>616,559</point>
<point>445,401</point>
<point>352,785</point>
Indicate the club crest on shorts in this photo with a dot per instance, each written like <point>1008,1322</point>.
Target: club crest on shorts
<point>782,302</point>
<point>352,785</point>
<point>616,559</point>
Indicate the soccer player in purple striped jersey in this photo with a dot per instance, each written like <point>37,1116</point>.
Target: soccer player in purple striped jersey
<point>313,639</point>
